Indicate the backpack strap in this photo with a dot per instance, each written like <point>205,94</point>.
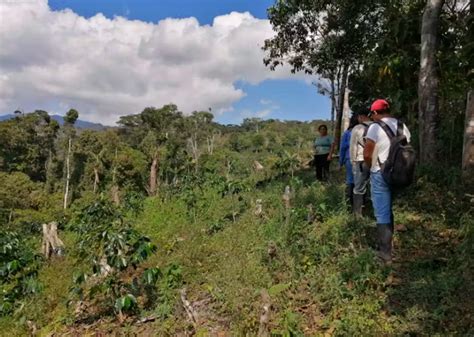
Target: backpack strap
<point>364,135</point>
<point>388,130</point>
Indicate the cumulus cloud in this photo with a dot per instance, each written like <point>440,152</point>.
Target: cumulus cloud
<point>105,68</point>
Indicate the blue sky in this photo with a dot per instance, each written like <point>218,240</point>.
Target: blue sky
<point>105,67</point>
<point>282,99</point>
<point>155,10</point>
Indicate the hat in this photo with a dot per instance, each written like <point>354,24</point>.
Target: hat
<point>379,105</point>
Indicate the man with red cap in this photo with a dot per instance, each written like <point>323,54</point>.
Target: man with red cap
<point>376,152</point>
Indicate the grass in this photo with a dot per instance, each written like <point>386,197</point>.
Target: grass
<point>321,275</point>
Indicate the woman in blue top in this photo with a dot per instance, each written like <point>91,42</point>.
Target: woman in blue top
<point>323,153</point>
<point>345,159</point>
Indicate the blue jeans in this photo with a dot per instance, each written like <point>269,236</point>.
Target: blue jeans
<point>381,198</point>
<point>349,174</point>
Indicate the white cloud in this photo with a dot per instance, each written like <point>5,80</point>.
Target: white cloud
<point>105,67</point>
<point>258,114</point>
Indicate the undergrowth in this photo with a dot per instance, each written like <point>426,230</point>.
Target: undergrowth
<point>315,262</point>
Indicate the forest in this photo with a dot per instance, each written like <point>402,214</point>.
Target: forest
<point>170,224</point>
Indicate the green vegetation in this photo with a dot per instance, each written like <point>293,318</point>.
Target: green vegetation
<point>177,225</point>
<point>201,234</point>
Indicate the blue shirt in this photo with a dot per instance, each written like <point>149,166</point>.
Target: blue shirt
<point>344,152</point>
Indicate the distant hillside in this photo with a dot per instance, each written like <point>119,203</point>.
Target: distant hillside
<point>80,124</point>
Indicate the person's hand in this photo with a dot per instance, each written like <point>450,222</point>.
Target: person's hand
<point>329,157</point>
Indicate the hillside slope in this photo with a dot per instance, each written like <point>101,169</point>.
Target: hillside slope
<point>314,271</point>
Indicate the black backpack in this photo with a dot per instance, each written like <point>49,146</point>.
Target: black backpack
<point>399,169</point>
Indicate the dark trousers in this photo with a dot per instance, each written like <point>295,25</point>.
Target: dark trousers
<point>322,166</point>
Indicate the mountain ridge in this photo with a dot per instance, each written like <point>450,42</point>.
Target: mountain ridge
<point>80,124</point>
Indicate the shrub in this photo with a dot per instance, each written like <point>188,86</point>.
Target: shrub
<point>110,247</point>
<point>18,271</point>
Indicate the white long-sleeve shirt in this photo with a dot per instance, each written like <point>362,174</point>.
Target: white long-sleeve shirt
<point>358,142</point>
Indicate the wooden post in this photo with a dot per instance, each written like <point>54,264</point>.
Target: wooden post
<point>468,148</point>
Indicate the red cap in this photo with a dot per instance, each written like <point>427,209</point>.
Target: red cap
<point>379,104</point>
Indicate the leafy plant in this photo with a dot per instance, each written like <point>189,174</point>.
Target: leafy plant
<point>18,271</point>
<point>110,246</point>
<point>287,163</point>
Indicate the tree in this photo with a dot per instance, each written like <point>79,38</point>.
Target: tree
<point>324,37</point>
<point>150,130</point>
<point>69,119</point>
<point>428,85</point>
<point>468,149</point>
<point>199,127</point>
<point>27,144</point>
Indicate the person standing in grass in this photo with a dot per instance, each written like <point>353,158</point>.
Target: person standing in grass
<point>345,158</point>
<point>323,146</point>
<point>360,170</point>
<point>376,153</point>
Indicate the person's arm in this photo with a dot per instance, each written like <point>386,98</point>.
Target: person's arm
<point>341,151</point>
<point>331,150</point>
<point>371,140</point>
<point>369,152</point>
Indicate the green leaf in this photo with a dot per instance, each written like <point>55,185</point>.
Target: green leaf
<point>278,288</point>
<point>125,303</point>
<point>78,277</point>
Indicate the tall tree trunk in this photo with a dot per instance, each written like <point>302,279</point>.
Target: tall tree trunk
<point>96,178</point>
<point>333,102</point>
<point>153,175</point>
<point>114,190</point>
<point>346,110</point>
<point>468,149</point>
<point>49,173</point>
<point>210,144</point>
<point>340,106</point>
<point>68,174</point>
<point>428,82</point>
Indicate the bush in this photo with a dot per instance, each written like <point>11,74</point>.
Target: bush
<point>110,247</point>
<point>18,271</point>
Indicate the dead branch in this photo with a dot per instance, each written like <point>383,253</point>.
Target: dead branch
<point>192,315</point>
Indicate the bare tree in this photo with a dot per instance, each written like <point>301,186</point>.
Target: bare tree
<point>428,83</point>
<point>468,150</point>
<point>68,173</point>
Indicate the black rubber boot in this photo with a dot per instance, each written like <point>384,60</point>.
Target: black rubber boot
<point>358,203</point>
<point>350,196</point>
<point>384,236</point>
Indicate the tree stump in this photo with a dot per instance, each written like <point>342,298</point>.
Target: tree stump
<point>52,244</point>
<point>265,316</point>
<point>258,207</point>
<point>257,166</point>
